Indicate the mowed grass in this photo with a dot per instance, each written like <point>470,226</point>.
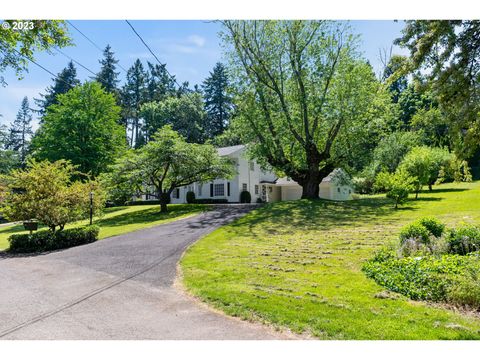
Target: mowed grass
<point>123,219</point>
<point>298,265</point>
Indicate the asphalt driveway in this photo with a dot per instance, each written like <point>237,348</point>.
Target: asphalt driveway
<point>117,288</point>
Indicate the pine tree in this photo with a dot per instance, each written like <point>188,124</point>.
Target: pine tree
<point>218,103</point>
<point>65,80</point>
<point>134,94</point>
<point>160,83</point>
<point>107,76</point>
<point>21,130</point>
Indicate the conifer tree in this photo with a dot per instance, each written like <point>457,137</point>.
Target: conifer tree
<point>218,103</point>
<point>20,131</point>
<point>107,75</point>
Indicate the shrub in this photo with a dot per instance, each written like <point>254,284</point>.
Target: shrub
<point>259,200</point>
<point>190,197</point>
<point>420,278</point>
<point>465,292</point>
<point>245,197</point>
<point>397,185</point>
<point>415,231</point>
<point>464,239</point>
<point>434,226</point>
<point>47,240</point>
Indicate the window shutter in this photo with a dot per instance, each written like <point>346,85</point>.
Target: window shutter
<point>211,190</point>
<point>228,189</point>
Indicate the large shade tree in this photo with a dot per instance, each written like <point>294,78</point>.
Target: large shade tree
<point>82,128</point>
<point>305,97</point>
<point>168,162</point>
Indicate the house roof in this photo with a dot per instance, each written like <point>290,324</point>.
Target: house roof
<point>224,151</point>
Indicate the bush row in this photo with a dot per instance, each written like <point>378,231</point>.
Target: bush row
<point>46,240</point>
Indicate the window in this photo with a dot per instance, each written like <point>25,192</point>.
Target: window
<point>228,189</point>
<point>176,193</point>
<point>256,189</point>
<point>252,166</point>
<point>338,189</point>
<point>200,189</point>
<point>219,189</point>
<point>270,189</point>
<point>244,187</point>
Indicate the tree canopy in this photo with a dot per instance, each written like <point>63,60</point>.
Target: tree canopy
<point>168,162</point>
<point>107,76</point>
<point>305,96</point>
<point>82,128</point>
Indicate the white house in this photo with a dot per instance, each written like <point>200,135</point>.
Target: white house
<point>260,183</point>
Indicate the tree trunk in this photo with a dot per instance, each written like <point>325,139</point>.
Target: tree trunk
<point>164,198</point>
<point>163,207</point>
<point>310,188</point>
<point>430,187</point>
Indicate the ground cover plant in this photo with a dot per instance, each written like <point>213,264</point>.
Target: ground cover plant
<point>298,264</point>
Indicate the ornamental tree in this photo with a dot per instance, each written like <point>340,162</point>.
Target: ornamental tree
<point>167,162</point>
<point>306,102</point>
<point>45,191</point>
<point>397,185</point>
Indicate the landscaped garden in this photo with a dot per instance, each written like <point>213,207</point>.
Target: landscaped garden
<point>299,265</point>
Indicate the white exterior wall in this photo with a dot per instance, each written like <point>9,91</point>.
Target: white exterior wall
<point>244,176</point>
<point>291,192</point>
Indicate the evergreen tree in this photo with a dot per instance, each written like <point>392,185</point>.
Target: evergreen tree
<point>218,103</point>
<point>107,76</point>
<point>134,94</point>
<point>160,83</point>
<point>21,130</point>
<point>65,80</point>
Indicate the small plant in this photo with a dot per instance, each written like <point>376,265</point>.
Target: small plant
<point>415,231</point>
<point>464,240</point>
<point>245,197</point>
<point>433,225</point>
<point>190,197</point>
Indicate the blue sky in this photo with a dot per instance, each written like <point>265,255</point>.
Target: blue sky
<point>189,48</point>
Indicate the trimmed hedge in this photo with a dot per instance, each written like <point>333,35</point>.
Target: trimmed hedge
<point>142,202</point>
<point>47,240</point>
<point>245,197</point>
<point>190,197</point>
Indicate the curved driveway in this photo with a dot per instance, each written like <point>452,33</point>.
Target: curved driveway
<point>116,288</point>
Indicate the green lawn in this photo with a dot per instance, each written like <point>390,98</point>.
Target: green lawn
<point>298,265</point>
<point>121,220</point>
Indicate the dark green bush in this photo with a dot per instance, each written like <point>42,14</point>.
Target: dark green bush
<point>414,231</point>
<point>47,240</point>
<point>190,197</point>
<point>434,226</point>
<point>464,240</point>
<point>245,197</point>
<point>142,202</point>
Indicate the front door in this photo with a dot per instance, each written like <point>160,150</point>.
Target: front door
<point>264,193</point>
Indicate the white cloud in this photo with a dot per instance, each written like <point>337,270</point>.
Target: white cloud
<point>197,40</point>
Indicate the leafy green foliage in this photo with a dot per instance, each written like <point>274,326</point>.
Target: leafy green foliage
<point>424,163</point>
<point>47,240</point>
<point>190,197</point>
<point>305,98</point>
<point>445,52</point>
<point>82,128</point>
<point>45,191</point>
<point>415,231</point>
<point>434,226</point>
<point>464,239</point>
<point>420,278</point>
<point>45,35</point>
<point>168,162</point>
<point>185,114</point>
<point>245,197</point>
<point>397,185</point>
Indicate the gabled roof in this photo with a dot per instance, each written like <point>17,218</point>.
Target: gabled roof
<point>224,151</point>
